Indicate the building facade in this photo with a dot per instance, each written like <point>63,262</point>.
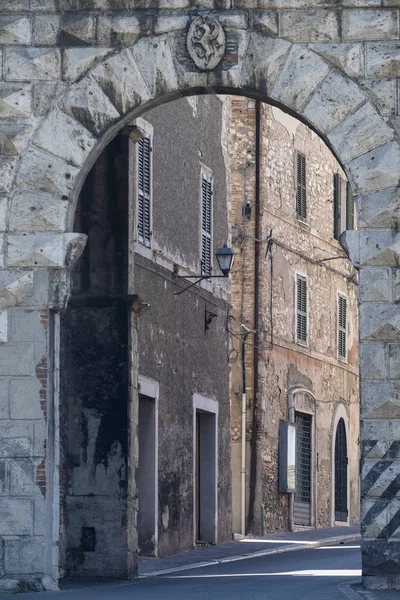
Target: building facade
<point>294,327</point>
<point>129,288</point>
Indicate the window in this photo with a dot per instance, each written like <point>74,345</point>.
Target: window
<point>301,309</point>
<point>144,174</point>
<point>301,195</point>
<point>342,327</point>
<point>206,222</point>
<point>343,206</point>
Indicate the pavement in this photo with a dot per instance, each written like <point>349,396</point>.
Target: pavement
<point>247,548</point>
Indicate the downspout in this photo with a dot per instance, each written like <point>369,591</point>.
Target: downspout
<point>255,476</point>
<point>244,428</point>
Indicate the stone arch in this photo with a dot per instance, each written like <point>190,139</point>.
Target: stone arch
<point>340,413</point>
<point>157,69</point>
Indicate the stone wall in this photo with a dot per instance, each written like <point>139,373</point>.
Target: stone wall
<point>283,365</point>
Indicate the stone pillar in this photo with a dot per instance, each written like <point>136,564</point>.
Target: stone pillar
<point>376,254</point>
<point>32,291</point>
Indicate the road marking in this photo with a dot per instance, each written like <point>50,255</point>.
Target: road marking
<point>308,573</point>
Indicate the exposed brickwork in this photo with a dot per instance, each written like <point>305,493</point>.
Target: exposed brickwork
<point>41,476</point>
<point>41,374</point>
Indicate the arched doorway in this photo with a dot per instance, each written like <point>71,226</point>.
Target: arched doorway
<point>154,70</point>
<point>341,462</point>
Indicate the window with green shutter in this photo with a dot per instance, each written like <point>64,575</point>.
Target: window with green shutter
<point>337,205</point>
<point>349,208</point>
<point>206,223</point>
<point>144,190</point>
<point>301,309</point>
<point>301,194</point>
<point>342,327</point>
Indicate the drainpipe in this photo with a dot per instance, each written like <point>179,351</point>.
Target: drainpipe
<point>244,427</point>
<point>255,481</point>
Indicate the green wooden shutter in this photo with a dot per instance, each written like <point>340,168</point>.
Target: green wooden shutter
<point>349,208</point>
<point>337,205</point>
<point>342,328</point>
<point>206,223</point>
<point>301,316</point>
<point>144,191</point>
<point>301,194</point>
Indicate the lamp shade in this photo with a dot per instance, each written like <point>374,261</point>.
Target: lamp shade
<point>225,257</point>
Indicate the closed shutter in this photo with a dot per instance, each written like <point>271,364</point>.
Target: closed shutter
<point>337,205</point>
<point>342,322</point>
<point>301,196</point>
<point>144,191</point>
<point>349,208</point>
<point>301,324</point>
<point>206,223</point>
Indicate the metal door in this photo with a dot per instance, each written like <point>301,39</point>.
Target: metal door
<point>341,461</point>
<point>302,498</point>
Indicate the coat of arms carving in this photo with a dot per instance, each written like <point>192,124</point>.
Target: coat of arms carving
<point>206,42</point>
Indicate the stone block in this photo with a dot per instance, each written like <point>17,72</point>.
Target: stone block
<point>16,359</point>
<point>26,325</point>
<point>301,75</point>
<point>120,78</point>
<point>65,29</point>
<point>46,94</point>
<point>347,57</point>
<point>332,101</point>
<point>15,100</point>
<point>15,287</point>
<point>266,22</point>
<point>44,249</point>
<point>376,438</point>
<point>394,361</point>
<point>15,30</point>
<point>382,93</point>
<point>372,527</point>
<point>39,513</point>
<point>4,399</point>
<point>157,65</point>
<point>372,361</point>
<point>117,30</point>
<point>87,103</point>
<point>24,555</point>
<point>310,25</point>
<point>16,440</point>
<point>14,138</point>
<point>38,212</point>
<point>40,437</point>
<point>377,169</point>
<point>16,516</point>
<point>3,214</point>
<point>389,470</point>
<point>25,399</point>
<point>264,61</point>
<point>32,63</point>
<point>7,171</point>
<point>380,400</point>
<point>380,322</point>
<point>375,285</point>
<point>369,25</point>
<point>379,248</point>
<point>3,326</point>
<point>379,209</point>
<point>382,59</point>
<point>77,141</point>
<point>168,24</point>
<point>22,477</point>
<point>77,61</point>
<point>359,133</point>
<point>53,174</point>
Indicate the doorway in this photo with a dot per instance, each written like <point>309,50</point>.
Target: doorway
<point>302,500</point>
<point>205,471</point>
<point>341,464</point>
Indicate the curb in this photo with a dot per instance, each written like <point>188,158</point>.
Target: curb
<point>343,539</point>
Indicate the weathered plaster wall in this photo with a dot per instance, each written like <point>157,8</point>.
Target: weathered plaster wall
<point>296,247</point>
<point>174,348</point>
<point>94,376</point>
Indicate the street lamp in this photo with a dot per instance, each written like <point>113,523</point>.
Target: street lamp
<point>225,257</point>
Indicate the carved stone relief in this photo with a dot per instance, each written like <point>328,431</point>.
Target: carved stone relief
<point>206,42</point>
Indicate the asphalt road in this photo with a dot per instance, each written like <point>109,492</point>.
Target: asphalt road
<point>321,574</point>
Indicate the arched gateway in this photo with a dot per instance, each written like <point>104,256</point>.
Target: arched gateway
<point>292,58</point>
